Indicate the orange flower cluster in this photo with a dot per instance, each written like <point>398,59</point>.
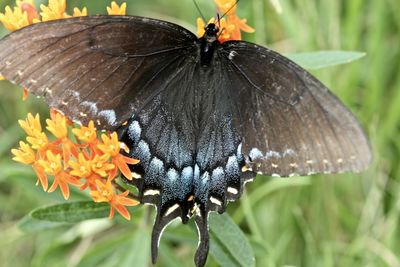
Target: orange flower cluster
<point>86,162</point>
<point>231,26</point>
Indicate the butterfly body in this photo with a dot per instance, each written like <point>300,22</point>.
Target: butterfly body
<point>204,117</point>
<point>208,43</point>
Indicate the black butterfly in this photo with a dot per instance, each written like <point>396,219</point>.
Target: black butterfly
<point>204,117</point>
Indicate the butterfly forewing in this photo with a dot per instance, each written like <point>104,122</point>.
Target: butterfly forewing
<point>289,122</point>
<point>94,68</point>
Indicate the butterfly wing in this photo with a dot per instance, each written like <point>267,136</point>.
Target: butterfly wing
<point>289,122</point>
<point>94,68</point>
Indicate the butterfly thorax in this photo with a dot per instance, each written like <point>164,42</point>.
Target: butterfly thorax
<point>208,43</point>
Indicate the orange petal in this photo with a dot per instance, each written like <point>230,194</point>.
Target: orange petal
<point>72,180</point>
<point>123,167</point>
<point>128,201</point>
<point>130,160</point>
<point>65,190</point>
<point>123,211</point>
<point>53,186</point>
<point>24,94</point>
<point>111,215</point>
<point>31,11</point>
<point>41,176</point>
<point>113,173</point>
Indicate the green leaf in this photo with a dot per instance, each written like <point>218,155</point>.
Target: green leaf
<point>138,252</point>
<point>72,212</point>
<point>31,225</point>
<point>323,59</point>
<point>106,251</point>
<point>229,245</point>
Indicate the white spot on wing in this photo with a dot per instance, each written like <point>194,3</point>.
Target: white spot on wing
<point>272,154</point>
<point>247,169</point>
<point>76,95</point>
<point>151,192</point>
<point>171,209</point>
<point>288,152</point>
<point>255,153</point>
<point>215,201</point>
<point>239,149</point>
<point>134,131</point>
<point>136,175</point>
<point>232,190</point>
<point>109,115</point>
<point>232,54</point>
<point>91,105</point>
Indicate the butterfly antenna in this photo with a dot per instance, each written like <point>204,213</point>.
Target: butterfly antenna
<point>198,9</point>
<point>237,1</point>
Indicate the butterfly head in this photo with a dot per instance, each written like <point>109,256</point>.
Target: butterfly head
<point>211,32</point>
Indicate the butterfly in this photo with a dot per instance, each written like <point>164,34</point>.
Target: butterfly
<point>203,117</point>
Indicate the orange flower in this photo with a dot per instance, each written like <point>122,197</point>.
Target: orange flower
<point>53,166</point>
<point>231,27</point>
<point>24,154</point>
<point>20,16</point>
<point>101,166</point>
<point>86,134</point>
<point>115,9</point>
<point>81,168</point>
<point>14,19</point>
<point>55,10</point>
<point>240,25</point>
<point>226,6</point>
<point>105,193</point>
<point>31,125</point>
<point>58,126</point>
<point>80,13</point>
<point>39,141</point>
<point>28,6</point>
<point>112,147</point>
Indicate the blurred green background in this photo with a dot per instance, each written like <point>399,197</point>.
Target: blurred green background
<point>329,220</point>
